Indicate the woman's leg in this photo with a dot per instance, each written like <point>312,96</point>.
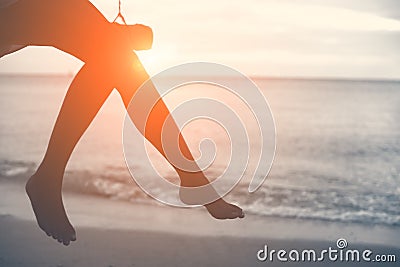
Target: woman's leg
<point>131,75</point>
<point>85,98</point>
<point>78,28</point>
<point>86,94</point>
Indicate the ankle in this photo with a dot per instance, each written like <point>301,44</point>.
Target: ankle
<point>48,175</point>
<point>193,179</point>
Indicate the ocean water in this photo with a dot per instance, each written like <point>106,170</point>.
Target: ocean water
<point>337,158</point>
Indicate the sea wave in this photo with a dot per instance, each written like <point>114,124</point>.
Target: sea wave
<point>273,199</point>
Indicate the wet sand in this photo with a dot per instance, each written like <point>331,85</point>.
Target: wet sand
<point>115,233</point>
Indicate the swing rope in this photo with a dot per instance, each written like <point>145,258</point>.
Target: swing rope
<point>120,14</point>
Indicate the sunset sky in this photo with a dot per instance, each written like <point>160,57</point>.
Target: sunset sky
<point>302,38</point>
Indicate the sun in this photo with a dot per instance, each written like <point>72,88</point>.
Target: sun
<point>158,58</point>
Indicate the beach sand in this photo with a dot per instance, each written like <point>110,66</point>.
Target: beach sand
<point>116,233</point>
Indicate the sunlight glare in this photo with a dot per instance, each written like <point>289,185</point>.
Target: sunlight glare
<point>157,58</point>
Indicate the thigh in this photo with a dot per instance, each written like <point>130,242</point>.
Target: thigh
<point>29,22</point>
<point>74,26</point>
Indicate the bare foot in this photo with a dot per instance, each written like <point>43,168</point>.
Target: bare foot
<point>46,200</point>
<point>219,209</point>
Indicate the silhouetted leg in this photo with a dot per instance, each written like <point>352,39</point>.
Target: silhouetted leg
<point>131,77</point>
<point>78,28</point>
<point>86,95</point>
<point>84,98</point>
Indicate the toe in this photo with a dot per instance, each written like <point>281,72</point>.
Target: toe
<point>237,212</point>
<point>73,237</point>
<point>240,214</point>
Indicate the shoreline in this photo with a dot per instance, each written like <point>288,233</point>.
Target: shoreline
<point>114,214</point>
<point>117,233</point>
<point>17,182</point>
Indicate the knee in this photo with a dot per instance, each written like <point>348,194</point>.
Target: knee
<point>118,63</point>
<point>126,65</point>
<point>125,72</point>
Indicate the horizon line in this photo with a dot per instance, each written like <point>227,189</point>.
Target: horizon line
<point>255,77</point>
